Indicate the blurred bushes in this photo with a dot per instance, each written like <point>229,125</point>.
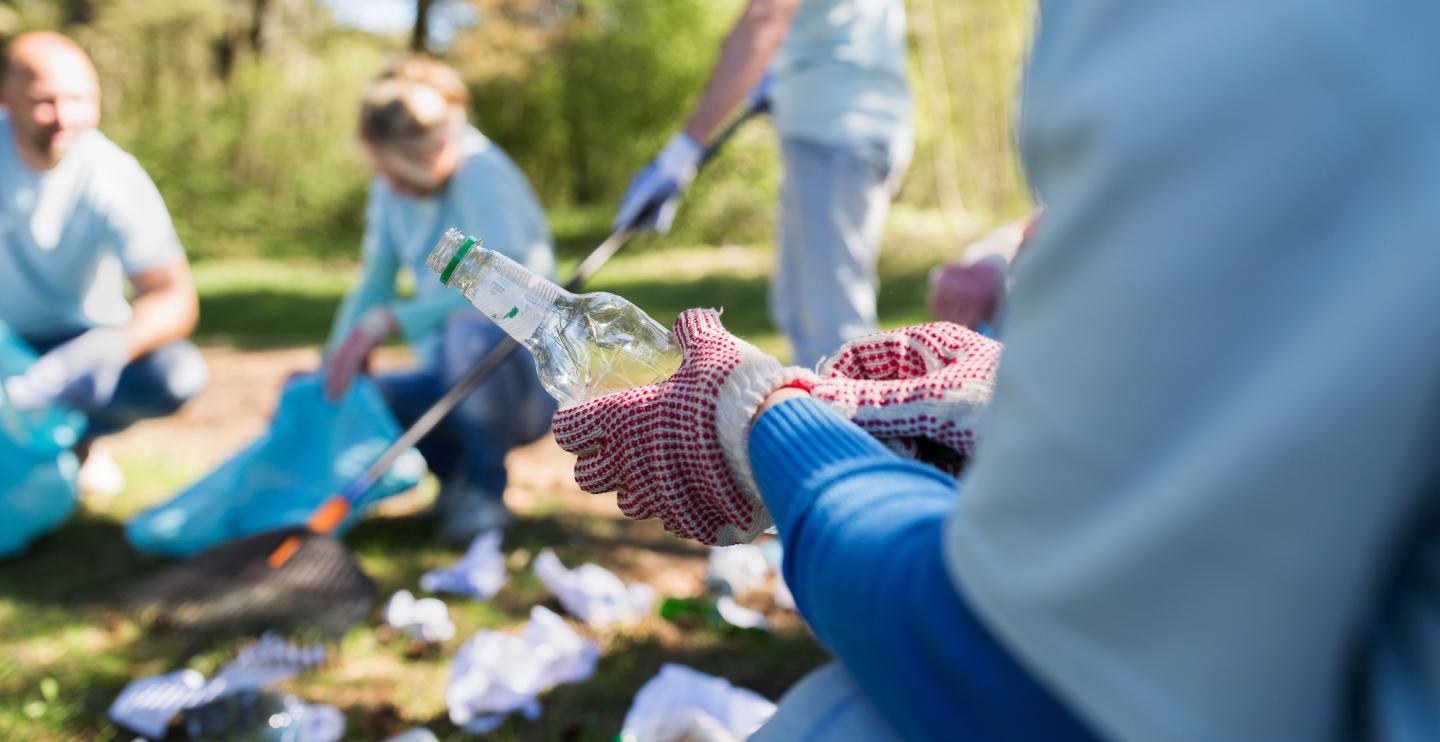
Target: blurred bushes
<point>253,158</point>
<point>247,124</point>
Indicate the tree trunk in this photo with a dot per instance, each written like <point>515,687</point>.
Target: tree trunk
<point>421,33</point>
<point>79,12</point>
<point>257,26</point>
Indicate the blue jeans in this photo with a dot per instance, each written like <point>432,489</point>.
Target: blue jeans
<point>153,385</point>
<point>833,204</point>
<point>508,409</point>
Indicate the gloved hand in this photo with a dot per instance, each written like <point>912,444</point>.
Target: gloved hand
<point>971,293</point>
<point>353,356</point>
<point>914,387</point>
<point>968,295</point>
<point>660,184</point>
<point>81,373</point>
<point>676,450</point>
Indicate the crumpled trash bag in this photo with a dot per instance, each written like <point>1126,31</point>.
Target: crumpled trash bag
<point>495,674</point>
<point>591,592</point>
<point>37,467</point>
<point>426,619</point>
<point>312,450</point>
<point>148,705</point>
<point>479,574</point>
<point>262,716</point>
<point>681,703</point>
<point>735,569</point>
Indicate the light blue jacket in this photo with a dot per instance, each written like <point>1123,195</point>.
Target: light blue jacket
<point>487,197</point>
<point>1206,502</point>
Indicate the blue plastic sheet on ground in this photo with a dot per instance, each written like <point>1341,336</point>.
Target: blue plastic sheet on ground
<point>312,450</point>
<point>37,467</point>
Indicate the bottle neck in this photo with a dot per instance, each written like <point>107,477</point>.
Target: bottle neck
<point>508,293</point>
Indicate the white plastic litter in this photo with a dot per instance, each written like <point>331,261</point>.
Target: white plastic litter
<point>738,615</point>
<point>735,569</point>
<point>495,674</point>
<point>592,593</point>
<point>681,703</point>
<point>322,723</point>
<point>147,705</point>
<point>479,574</point>
<point>426,619</point>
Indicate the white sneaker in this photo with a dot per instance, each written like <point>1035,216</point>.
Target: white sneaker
<point>99,476</point>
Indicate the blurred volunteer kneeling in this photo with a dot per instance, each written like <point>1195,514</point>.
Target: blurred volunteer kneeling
<point>433,171</point>
<point>78,218</point>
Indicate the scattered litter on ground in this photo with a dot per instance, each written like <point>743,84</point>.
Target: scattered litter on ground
<point>495,674</point>
<point>592,593</point>
<point>148,705</point>
<point>479,574</point>
<point>738,615</point>
<point>262,716</point>
<point>681,703</point>
<point>735,569</point>
<point>426,619</point>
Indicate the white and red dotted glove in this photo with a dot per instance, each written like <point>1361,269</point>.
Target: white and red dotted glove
<point>919,389</point>
<point>352,358</point>
<point>676,450</point>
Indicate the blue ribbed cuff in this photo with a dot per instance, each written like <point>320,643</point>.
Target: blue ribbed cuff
<point>794,442</point>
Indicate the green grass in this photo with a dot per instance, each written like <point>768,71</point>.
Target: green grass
<point>66,650</point>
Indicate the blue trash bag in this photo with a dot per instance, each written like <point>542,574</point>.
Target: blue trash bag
<point>37,467</point>
<point>311,451</point>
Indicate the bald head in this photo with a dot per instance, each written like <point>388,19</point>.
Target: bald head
<point>53,96</point>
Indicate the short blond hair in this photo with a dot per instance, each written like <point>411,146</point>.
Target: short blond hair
<point>413,105</point>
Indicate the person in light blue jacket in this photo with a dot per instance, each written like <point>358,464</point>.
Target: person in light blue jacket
<point>435,172</point>
<point>1204,502</point>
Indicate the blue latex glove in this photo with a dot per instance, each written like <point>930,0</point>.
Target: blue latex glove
<point>81,373</point>
<point>659,186</point>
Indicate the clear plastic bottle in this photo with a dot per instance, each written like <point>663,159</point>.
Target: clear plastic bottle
<point>585,345</point>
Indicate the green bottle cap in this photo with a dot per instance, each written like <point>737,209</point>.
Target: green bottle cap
<point>455,261</point>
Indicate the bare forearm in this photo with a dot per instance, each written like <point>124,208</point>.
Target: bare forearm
<point>746,54</point>
<point>165,309</point>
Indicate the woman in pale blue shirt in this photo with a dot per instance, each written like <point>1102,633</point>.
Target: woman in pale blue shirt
<point>434,172</point>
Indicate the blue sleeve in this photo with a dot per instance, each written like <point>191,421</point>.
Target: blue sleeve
<point>862,531</point>
<point>379,266</point>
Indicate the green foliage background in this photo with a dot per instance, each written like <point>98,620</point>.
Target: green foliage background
<point>254,151</point>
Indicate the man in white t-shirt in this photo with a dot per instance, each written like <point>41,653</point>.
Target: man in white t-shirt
<point>844,112</point>
<point>78,219</point>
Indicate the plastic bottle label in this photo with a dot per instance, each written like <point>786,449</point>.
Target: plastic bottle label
<point>514,308</point>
